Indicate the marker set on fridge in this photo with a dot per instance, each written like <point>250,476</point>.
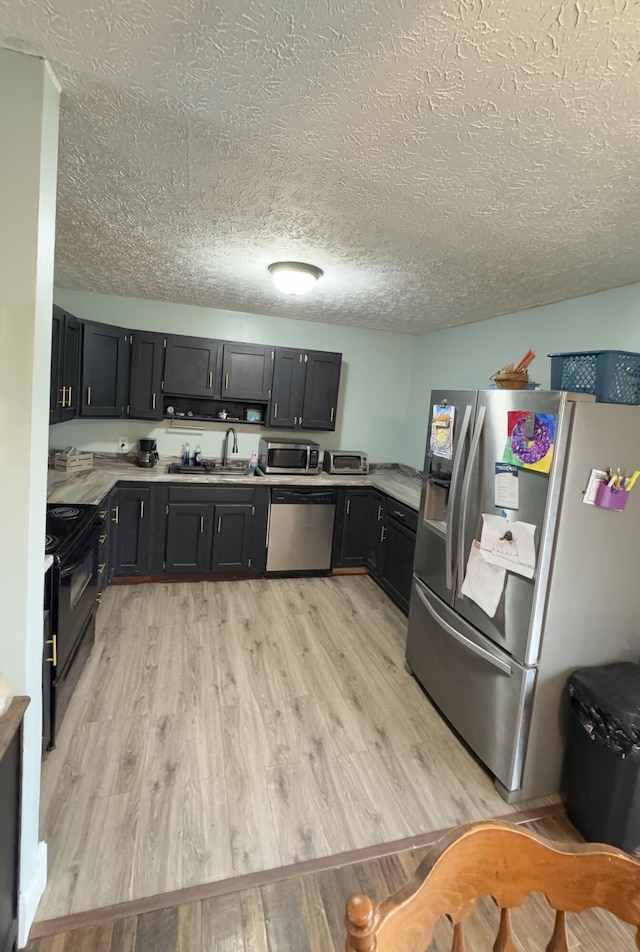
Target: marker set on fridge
<point>609,489</point>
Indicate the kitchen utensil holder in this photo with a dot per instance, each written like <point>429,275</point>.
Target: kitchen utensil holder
<point>608,498</point>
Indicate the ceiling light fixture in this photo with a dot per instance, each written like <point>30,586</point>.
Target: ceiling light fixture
<point>294,277</point>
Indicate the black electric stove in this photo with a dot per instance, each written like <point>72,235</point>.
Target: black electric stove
<point>72,538</point>
<point>66,526</point>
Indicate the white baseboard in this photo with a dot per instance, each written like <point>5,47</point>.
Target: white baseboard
<point>30,897</point>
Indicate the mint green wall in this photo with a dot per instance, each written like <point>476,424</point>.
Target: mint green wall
<point>374,388</point>
<point>465,357</point>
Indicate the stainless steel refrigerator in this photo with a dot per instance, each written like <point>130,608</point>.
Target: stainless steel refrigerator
<point>499,681</point>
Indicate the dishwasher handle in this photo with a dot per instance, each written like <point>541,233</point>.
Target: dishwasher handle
<point>291,497</point>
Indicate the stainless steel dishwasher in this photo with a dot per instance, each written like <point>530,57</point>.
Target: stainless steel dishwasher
<point>300,530</point>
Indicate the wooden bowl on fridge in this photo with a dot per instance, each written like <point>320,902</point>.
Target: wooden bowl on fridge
<point>511,381</point>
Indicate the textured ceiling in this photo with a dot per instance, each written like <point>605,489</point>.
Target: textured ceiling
<point>443,161</point>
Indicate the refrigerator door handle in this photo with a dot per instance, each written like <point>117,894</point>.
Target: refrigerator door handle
<point>466,486</point>
<point>466,642</point>
<point>455,476</point>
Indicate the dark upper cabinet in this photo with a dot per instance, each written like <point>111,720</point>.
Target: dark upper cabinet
<point>188,547</point>
<point>305,386</point>
<point>232,538</point>
<point>106,352</point>
<point>247,370</point>
<point>190,366</point>
<point>356,527</point>
<point>396,568</point>
<point>65,367</point>
<point>321,390</point>
<point>130,531</point>
<point>147,360</point>
<point>287,391</point>
<point>377,520</point>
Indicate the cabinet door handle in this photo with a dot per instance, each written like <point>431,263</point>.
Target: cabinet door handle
<point>332,414</point>
<point>101,567</point>
<point>153,401</point>
<point>103,538</point>
<point>201,524</point>
<point>54,651</point>
<point>142,508</point>
<point>379,513</point>
<point>275,412</point>
<point>116,510</point>
<point>103,513</point>
<point>211,379</point>
<point>88,396</point>
<point>306,358</point>
<point>295,421</point>
<point>63,402</point>
<point>219,523</point>
<point>226,381</point>
<point>399,514</point>
<point>69,397</point>
<point>383,534</point>
<point>348,506</point>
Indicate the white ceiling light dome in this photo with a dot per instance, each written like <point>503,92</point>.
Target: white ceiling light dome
<point>294,277</point>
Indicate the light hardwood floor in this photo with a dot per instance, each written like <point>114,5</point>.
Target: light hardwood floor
<point>226,727</point>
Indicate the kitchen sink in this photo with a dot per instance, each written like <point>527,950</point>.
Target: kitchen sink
<point>232,469</point>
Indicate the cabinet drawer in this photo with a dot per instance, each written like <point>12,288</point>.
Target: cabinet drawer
<point>404,514</point>
<point>221,494</point>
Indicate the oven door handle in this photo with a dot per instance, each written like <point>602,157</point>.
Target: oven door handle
<point>91,541</point>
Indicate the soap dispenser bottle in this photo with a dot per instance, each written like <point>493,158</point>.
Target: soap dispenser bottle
<point>186,455</point>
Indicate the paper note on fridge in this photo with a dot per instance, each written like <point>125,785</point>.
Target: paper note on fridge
<point>511,545</point>
<point>483,582</point>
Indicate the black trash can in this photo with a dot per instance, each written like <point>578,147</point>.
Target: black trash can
<point>601,770</point>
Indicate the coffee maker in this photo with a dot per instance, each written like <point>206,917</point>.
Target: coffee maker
<point>148,455</point>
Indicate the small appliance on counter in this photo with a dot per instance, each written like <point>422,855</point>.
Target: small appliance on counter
<point>345,462</point>
<point>148,454</point>
<point>289,457</point>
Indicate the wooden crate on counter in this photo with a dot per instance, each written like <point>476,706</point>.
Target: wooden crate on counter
<point>73,464</point>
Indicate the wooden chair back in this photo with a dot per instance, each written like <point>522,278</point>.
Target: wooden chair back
<point>506,863</point>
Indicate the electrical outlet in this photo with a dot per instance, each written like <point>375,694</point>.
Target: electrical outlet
<point>122,444</point>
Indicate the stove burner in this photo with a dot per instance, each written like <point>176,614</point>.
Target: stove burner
<point>50,542</point>
<point>64,512</point>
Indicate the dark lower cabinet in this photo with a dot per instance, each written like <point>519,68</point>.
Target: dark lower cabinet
<point>377,521</point>
<point>396,568</point>
<point>106,353</point>
<point>356,523</point>
<point>145,388</point>
<point>10,798</point>
<point>188,537</point>
<point>130,531</point>
<point>232,538</point>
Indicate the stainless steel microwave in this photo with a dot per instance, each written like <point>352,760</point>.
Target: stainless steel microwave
<point>293,457</point>
<point>343,461</point>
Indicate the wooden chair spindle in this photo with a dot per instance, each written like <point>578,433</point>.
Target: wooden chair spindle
<point>558,942</point>
<point>504,940</point>
<point>458,938</point>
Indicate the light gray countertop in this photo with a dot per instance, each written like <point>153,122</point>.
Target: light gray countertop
<point>91,486</point>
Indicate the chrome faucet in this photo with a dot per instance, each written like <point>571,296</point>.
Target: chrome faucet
<point>225,445</point>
